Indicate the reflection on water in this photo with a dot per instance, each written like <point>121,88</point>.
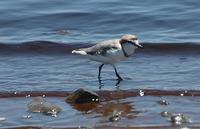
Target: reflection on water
<point>116,108</point>
<point>105,110</point>
<point>84,107</point>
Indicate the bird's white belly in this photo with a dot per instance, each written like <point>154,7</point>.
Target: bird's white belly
<point>111,58</point>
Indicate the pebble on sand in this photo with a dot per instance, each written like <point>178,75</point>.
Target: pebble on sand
<point>176,118</point>
<point>38,104</point>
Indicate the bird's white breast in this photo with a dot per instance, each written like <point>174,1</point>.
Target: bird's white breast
<point>112,57</point>
<point>129,48</point>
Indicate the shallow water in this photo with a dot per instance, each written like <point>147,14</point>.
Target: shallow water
<point>51,67</point>
<point>150,68</point>
<point>136,110</point>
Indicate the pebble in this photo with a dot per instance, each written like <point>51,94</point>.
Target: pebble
<point>176,118</point>
<point>163,102</point>
<point>26,116</point>
<point>85,127</point>
<point>116,116</point>
<point>141,93</point>
<point>166,114</point>
<point>38,104</point>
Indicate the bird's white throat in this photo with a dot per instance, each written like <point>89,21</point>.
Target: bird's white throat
<point>128,48</point>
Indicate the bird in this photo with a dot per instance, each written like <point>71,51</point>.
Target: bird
<point>111,51</point>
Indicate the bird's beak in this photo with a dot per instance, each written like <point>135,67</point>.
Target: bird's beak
<point>136,43</point>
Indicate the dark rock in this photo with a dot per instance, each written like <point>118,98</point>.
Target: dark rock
<point>82,96</point>
<point>38,104</point>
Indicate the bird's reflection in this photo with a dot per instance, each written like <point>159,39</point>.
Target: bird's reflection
<point>101,84</point>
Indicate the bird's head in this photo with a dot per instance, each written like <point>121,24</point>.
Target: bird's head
<point>131,39</point>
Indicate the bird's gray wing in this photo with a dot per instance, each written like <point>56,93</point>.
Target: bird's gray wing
<point>103,48</point>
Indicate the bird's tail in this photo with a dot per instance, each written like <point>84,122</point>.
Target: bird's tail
<point>81,52</point>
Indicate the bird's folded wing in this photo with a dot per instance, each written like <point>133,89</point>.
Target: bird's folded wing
<point>102,49</point>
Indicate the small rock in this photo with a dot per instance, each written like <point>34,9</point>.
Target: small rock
<point>141,93</point>
<point>85,127</point>
<point>163,102</point>
<point>26,116</point>
<point>83,96</point>
<point>178,119</point>
<point>38,104</point>
<point>116,116</point>
<point>166,114</point>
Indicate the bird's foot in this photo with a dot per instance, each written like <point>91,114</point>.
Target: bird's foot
<point>119,78</point>
<point>118,81</point>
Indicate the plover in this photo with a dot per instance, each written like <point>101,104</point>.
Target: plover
<point>111,51</point>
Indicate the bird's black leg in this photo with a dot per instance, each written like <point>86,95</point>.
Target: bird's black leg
<point>100,67</point>
<point>119,78</point>
<point>99,76</point>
